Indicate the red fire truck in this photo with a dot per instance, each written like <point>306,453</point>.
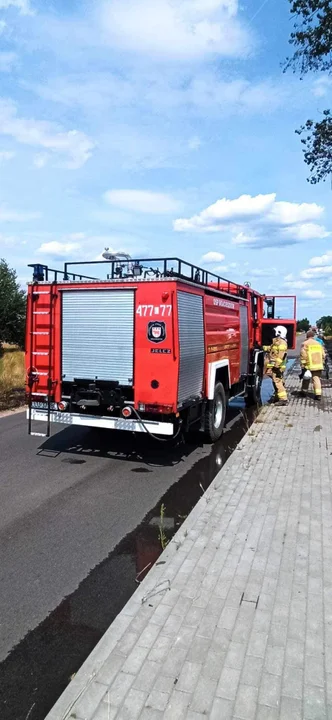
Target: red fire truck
<point>156,346</point>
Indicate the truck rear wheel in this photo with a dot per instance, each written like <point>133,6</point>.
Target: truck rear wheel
<point>215,414</point>
<point>254,392</point>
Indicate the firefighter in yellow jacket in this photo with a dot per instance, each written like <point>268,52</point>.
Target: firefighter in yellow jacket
<point>276,363</point>
<point>312,357</point>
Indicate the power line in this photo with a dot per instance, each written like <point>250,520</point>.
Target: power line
<point>258,11</point>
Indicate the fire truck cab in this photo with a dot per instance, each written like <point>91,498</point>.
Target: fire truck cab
<point>153,346</point>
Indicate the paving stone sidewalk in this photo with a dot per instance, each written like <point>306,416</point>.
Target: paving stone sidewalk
<point>235,621</point>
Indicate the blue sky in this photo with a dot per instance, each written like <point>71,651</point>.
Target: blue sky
<point>161,126</point>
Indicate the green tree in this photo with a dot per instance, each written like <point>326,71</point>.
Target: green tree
<point>302,325</point>
<point>312,42</point>
<point>325,323</point>
<point>12,307</point>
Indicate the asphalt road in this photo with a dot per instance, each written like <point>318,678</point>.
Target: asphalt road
<point>299,340</point>
<point>65,503</point>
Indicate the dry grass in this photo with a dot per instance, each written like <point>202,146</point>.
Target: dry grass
<point>12,378</point>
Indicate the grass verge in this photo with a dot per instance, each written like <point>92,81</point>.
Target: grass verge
<point>12,378</point>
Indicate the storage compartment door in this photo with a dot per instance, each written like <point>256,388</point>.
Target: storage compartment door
<point>98,335</point>
<point>244,334</point>
<point>191,342</point>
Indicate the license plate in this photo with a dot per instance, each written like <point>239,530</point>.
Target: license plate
<point>43,406</point>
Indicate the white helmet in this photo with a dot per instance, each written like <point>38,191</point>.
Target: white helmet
<point>281,331</point>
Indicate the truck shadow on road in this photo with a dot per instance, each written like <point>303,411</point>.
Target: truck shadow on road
<point>80,443</point>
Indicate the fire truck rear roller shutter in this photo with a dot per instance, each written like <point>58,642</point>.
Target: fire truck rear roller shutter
<point>97,335</point>
<point>191,341</point>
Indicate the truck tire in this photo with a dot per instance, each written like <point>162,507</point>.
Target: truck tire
<point>215,414</point>
<point>253,396</point>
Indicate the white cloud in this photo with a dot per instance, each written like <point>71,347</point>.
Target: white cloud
<point>243,238</point>
<point>77,236</point>
<point>196,93</point>
<point>287,213</point>
<point>316,272</point>
<point>225,268</point>
<point>16,216</point>
<point>94,92</point>
<point>133,147</point>
<point>289,277</point>
<point>262,272</point>
<point>259,221</point>
<point>179,29</point>
<point>245,208</point>
<point>40,160</point>
<point>221,268</point>
<point>8,240</point>
<point>213,257</point>
<point>6,155</point>
<point>58,249</point>
<point>74,145</point>
<point>194,143</point>
<point>313,294</point>
<point>144,201</point>
<point>7,61</point>
<point>322,86</point>
<point>23,6</point>
<point>3,26</point>
<point>207,92</point>
<point>86,245</point>
<point>296,284</point>
<point>319,260</point>
<point>226,211</point>
<point>306,231</point>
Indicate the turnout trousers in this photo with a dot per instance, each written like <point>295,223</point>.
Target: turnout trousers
<point>278,384</point>
<point>316,375</point>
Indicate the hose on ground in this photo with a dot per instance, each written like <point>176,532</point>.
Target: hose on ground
<point>155,437</point>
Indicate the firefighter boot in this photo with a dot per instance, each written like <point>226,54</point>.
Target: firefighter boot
<point>278,382</point>
<point>316,375</point>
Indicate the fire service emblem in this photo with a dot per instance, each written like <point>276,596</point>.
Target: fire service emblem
<point>156,332</point>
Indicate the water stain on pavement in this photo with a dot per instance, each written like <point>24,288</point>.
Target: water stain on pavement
<point>140,470</point>
<point>73,461</point>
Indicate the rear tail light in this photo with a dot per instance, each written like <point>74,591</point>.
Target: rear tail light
<point>159,408</point>
<point>62,405</point>
<point>126,412</point>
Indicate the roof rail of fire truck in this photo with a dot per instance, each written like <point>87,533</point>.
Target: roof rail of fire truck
<point>165,267</point>
<point>145,268</point>
<point>43,273</point>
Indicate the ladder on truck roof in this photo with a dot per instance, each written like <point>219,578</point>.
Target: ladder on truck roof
<point>41,351</point>
<point>166,268</point>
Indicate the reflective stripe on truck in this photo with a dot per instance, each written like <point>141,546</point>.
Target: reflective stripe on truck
<point>110,423</point>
